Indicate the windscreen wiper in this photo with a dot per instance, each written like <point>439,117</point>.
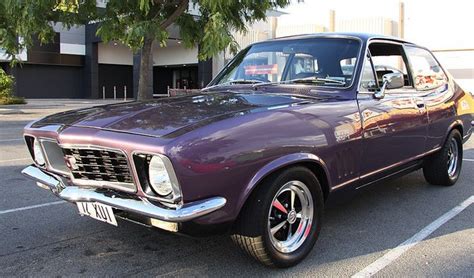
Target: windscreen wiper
<point>312,80</point>
<point>237,81</point>
<point>244,81</point>
<point>307,80</point>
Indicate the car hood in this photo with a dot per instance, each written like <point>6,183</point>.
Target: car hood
<point>167,116</point>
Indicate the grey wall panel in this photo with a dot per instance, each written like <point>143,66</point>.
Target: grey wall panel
<point>75,35</point>
<point>44,81</point>
<point>91,71</point>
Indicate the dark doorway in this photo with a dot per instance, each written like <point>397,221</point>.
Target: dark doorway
<point>118,76</point>
<point>174,77</point>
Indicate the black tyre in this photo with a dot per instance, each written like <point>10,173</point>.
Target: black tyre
<point>443,167</point>
<point>280,222</point>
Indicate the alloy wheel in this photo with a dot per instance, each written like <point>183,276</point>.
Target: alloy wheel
<point>453,157</point>
<point>290,216</point>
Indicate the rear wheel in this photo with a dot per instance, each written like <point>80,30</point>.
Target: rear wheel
<point>281,221</point>
<point>443,167</point>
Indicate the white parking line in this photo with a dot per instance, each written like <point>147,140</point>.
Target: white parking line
<point>393,254</point>
<point>32,207</point>
<point>16,159</point>
<point>468,159</point>
<point>11,140</point>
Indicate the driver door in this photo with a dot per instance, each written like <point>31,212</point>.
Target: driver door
<point>395,125</point>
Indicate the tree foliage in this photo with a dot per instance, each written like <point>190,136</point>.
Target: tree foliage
<point>135,23</point>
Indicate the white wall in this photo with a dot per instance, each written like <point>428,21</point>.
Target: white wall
<point>174,55</point>
<point>115,54</point>
<point>283,30</point>
<point>171,55</point>
<point>440,24</point>
<point>460,64</point>
<point>373,25</point>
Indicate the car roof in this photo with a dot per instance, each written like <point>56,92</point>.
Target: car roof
<point>362,36</point>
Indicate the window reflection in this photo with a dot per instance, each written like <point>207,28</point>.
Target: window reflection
<point>427,73</point>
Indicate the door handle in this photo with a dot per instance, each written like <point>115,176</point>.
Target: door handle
<point>420,105</point>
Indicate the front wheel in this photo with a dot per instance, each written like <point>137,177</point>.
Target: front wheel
<point>281,221</point>
<point>443,167</point>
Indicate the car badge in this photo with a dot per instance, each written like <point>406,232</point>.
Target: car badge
<point>71,162</point>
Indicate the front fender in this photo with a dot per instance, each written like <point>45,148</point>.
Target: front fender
<point>274,165</point>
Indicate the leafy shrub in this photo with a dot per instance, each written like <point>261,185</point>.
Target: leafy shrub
<point>6,90</point>
<point>6,84</point>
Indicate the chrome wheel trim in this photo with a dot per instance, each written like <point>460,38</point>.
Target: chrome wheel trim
<point>453,157</point>
<point>294,203</point>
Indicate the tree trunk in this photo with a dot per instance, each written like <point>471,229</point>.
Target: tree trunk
<point>145,81</point>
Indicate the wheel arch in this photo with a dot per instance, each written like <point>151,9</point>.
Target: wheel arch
<point>308,160</point>
<point>458,124</point>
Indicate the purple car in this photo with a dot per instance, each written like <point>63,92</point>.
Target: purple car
<point>279,134</point>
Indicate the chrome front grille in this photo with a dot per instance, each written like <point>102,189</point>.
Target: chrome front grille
<point>102,167</point>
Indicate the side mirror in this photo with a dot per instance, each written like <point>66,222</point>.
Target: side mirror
<point>390,81</point>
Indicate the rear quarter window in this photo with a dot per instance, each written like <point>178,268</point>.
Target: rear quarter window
<point>426,71</point>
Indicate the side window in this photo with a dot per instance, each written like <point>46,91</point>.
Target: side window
<point>427,73</point>
<point>368,82</point>
<point>388,58</point>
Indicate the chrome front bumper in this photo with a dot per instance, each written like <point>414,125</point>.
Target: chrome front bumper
<point>143,207</point>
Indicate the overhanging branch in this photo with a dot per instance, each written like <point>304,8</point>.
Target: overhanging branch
<point>183,4</point>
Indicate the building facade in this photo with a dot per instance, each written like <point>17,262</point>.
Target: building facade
<point>77,64</point>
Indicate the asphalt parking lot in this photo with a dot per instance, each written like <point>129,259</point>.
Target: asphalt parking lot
<point>43,237</point>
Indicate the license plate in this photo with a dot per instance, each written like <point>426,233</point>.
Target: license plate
<point>97,211</point>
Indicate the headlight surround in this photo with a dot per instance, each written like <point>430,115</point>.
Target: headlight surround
<point>38,153</point>
<point>159,177</point>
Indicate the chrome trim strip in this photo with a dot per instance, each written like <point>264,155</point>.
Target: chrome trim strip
<point>74,194</point>
<point>400,163</point>
<point>385,169</point>
<point>344,183</point>
<point>388,176</point>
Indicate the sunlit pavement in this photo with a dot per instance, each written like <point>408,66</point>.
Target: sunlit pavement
<point>53,240</point>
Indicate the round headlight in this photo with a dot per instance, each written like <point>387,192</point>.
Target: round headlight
<point>158,177</point>
<point>39,158</point>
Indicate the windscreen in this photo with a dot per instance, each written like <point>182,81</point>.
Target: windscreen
<point>328,61</point>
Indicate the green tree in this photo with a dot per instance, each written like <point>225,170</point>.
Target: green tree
<point>138,24</point>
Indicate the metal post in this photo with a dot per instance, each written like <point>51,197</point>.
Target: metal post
<point>401,20</point>
<point>103,92</point>
<point>115,92</point>
<point>124,93</point>
<point>168,90</point>
<point>332,21</point>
